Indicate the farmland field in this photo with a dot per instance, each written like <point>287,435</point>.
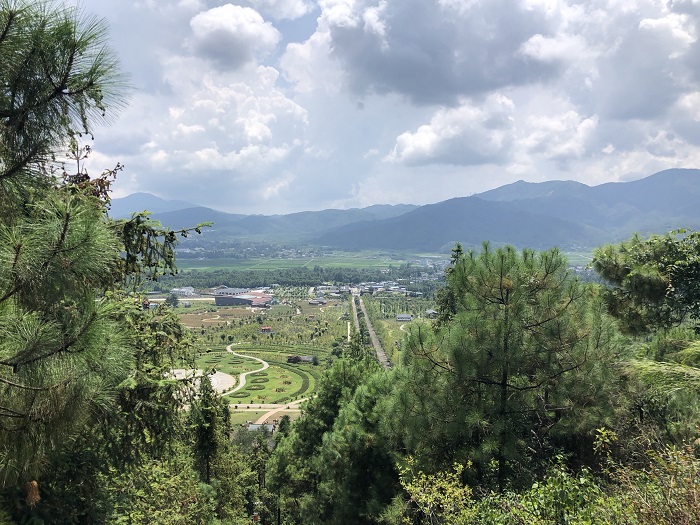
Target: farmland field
<point>363,260</point>
<point>578,258</point>
<point>340,260</point>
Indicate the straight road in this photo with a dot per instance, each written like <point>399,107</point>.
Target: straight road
<point>381,355</point>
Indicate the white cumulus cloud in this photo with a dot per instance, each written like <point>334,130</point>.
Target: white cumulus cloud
<point>466,135</point>
<point>232,35</point>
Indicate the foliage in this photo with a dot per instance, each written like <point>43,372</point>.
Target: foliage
<point>667,491</point>
<point>294,468</point>
<point>561,497</point>
<point>519,365</point>
<point>302,276</point>
<point>60,351</point>
<point>356,464</point>
<point>172,300</point>
<point>655,282</point>
<point>148,399</point>
<point>163,492</point>
<point>438,498</point>
<point>58,80</point>
<point>79,360</point>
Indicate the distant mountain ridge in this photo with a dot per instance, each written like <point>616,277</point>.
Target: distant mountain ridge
<point>123,207</point>
<point>567,214</point>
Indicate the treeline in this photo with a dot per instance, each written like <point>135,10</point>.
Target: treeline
<point>290,277</point>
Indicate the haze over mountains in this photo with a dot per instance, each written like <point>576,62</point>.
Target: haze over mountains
<point>567,214</point>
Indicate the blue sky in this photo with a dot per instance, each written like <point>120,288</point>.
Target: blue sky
<point>276,106</point>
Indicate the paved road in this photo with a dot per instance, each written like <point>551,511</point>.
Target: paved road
<point>220,381</point>
<point>354,312</point>
<point>278,411</point>
<point>381,355</point>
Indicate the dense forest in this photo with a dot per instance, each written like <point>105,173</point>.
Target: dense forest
<point>532,398</point>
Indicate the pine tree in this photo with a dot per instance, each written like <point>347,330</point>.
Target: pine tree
<point>206,413</point>
<point>60,351</point>
<point>654,283</point>
<point>518,365</point>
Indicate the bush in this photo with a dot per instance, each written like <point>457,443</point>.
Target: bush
<point>239,395</point>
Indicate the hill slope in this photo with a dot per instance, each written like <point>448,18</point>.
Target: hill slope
<point>567,214</point>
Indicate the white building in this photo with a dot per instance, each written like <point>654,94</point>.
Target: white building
<point>185,291</point>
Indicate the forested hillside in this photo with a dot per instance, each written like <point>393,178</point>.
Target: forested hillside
<point>530,398</point>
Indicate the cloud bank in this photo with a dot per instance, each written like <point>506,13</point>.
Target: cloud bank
<point>273,106</point>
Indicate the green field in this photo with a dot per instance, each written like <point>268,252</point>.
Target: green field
<point>281,383</point>
<point>349,260</point>
<point>578,258</point>
<point>336,260</point>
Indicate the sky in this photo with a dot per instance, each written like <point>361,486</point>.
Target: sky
<point>278,106</point>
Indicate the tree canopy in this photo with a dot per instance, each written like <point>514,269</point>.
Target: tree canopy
<point>655,282</point>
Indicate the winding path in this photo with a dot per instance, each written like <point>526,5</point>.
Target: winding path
<point>242,378</point>
<point>223,382</point>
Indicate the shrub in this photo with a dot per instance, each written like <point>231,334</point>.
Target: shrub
<point>239,395</point>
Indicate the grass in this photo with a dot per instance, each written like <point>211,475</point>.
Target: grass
<point>297,330</point>
<point>280,383</point>
<point>578,258</point>
<point>337,260</point>
<point>239,417</point>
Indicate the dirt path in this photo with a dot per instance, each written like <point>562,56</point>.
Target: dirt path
<point>289,407</point>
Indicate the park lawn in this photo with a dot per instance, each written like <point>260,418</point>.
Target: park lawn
<point>280,383</point>
<point>274,385</point>
<point>285,383</point>
<point>578,258</point>
<point>226,363</point>
<point>240,417</point>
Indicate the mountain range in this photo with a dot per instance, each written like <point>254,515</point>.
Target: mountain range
<point>567,214</point>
